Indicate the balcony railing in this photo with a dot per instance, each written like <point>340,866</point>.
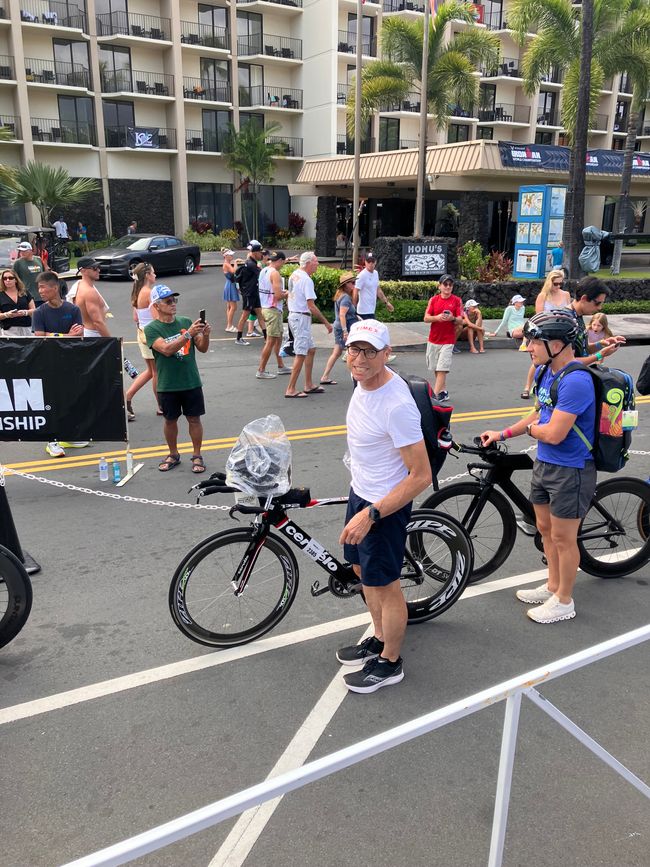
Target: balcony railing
<point>505,66</point>
<point>402,6</point>
<point>56,72</point>
<point>461,111</point>
<point>205,140</point>
<point>270,97</point>
<point>133,24</point>
<point>6,66</point>
<point>505,112</point>
<point>345,145</point>
<point>625,85</point>
<point>288,147</point>
<point>137,81</point>
<point>553,76</point>
<point>194,33</point>
<point>407,143</point>
<point>118,137</point>
<point>599,123</point>
<point>402,144</point>
<point>271,46</point>
<point>348,44</point>
<point>342,91</point>
<point>51,129</point>
<point>200,88</point>
<point>295,3</point>
<point>11,123</point>
<point>548,118</point>
<point>56,14</point>
<point>411,102</point>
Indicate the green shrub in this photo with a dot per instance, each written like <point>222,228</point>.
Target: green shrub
<point>471,259</point>
<point>326,282</point>
<point>208,242</point>
<point>300,243</point>
<point>496,269</point>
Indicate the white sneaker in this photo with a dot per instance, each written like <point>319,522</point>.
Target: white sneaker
<point>81,444</point>
<point>232,329</point>
<point>552,611</point>
<point>240,342</point>
<point>535,596</point>
<point>264,374</point>
<point>54,450</point>
<point>284,371</point>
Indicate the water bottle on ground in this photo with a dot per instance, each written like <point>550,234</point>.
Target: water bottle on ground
<point>103,470</point>
<point>117,477</point>
<point>130,368</point>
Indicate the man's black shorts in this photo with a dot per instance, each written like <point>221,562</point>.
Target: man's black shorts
<point>381,553</point>
<point>250,300</point>
<point>189,403</point>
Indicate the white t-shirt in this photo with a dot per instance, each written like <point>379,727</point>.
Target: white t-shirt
<point>380,422</point>
<point>367,283</point>
<point>301,289</point>
<point>267,299</point>
<point>61,228</point>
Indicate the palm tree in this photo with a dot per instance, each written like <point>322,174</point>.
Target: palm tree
<point>451,74</point>
<point>250,152</point>
<point>44,186</point>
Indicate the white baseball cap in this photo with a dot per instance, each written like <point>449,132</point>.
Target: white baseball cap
<point>516,298</point>
<point>371,331</point>
<point>24,245</point>
<point>471,303</point>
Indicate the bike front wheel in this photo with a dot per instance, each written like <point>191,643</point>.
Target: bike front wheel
<point>438,562</point>
<point>614,536</point>
<point>213,606</point>
<point>486,516</point>
<point>15,596</point>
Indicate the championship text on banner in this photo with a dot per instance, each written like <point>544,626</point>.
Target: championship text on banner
<point>556,158</point>
<point>61,389</point>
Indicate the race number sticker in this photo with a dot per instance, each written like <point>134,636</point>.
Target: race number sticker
<point>314,550</point>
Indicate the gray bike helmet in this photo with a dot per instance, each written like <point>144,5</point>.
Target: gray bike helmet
<point>556,324</point>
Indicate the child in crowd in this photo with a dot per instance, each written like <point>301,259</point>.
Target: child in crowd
<point>598,328</point>
<point>472,326</point>
<point>513,319</point>
<point>444,313</point>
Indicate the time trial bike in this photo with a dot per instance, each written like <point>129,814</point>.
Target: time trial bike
<point>237,585</point>
<point>15,596</point>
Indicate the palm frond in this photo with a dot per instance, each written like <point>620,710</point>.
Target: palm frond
<point>479,46</point>
<point>527,16</point>
<point>570,96</point>
<point>452,81</point>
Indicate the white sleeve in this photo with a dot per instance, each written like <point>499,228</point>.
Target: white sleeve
<point>404,425</point>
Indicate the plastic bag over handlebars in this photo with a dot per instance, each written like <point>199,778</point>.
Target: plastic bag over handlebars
<point>260,461</point>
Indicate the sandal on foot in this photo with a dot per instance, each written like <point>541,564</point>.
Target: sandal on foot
<point>299,394</point>
<point>315,390</point>
<point>328,382</point>
<point>169,463</point>
<point>198,465</point>
<point>525,394</point>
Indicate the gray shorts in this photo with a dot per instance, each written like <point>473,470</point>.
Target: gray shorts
<point>301,329</point>
<point>568,489</point>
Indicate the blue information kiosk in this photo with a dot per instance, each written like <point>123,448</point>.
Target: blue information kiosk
<point>539,228</point>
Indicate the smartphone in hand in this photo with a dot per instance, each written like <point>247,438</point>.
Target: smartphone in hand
<point>202,317</point>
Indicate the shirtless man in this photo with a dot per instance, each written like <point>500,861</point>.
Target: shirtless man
<point>88,299</point>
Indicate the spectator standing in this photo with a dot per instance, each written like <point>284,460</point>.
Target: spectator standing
<point>557,256</point>
<point>132,228</point>
<point>61,229</point>
<point>564,474</point>
<point>82,236</point>
<point>16,306</point>
<point>367,290</point>
<point>444,313</point>
<point>272,298</point>
<point>389,468</point>
<point>253,319</point>
<point>230,291</point>
<point>89,300</point>
<point>345,315</point>
<point>513,319</point>
<point>301,304</point>
<point>591,294</point>
<point>598,328</point>
<point>248,276</point>
<point>144,278</point>
<point>173,340</point>
<point>28,267</point>
<point>472,327</point>
<point>552,296</point>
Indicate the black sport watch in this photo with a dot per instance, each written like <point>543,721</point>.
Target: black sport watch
<point>374,514</point>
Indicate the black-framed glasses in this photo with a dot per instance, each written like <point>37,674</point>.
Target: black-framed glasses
<point>354,352</point>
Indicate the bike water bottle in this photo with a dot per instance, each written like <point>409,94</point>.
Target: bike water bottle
<point>130,368</point>
<point>117,477</point>
<point>103,470</point>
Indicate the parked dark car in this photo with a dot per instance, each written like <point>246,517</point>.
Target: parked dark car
<point>165,252</point>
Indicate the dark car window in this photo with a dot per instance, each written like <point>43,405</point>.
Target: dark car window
<point>158,242</point>
<point>174,242</point>
<point>128,242</point>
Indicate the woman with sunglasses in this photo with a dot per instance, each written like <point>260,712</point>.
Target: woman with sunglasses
<point>144,278</point>
<point>16,307</point>
<point>552,296</point>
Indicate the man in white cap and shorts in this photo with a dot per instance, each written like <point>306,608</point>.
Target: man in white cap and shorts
<point>389,467</point>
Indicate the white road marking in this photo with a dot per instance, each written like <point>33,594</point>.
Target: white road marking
<point>103,688</point>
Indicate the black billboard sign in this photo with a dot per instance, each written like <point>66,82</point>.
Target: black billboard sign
<point>143,137</point>
<point>556,158</point>
<point>61,389</point>
<point>423,258</point>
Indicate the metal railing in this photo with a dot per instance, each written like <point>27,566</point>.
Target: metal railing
<point>270,97</point>
<point>288,146</point>
<point>461,111</point>
<point>600,122</point>
<point>52,129</point>
<point>56,72</point>
<point>200,88</point>
<point>195,33</point>
<point>133,24</point>
<point>12,123</point>
<point>505,112</point>
<point>553,76</point>
<point>407,143</point>
<point>411,102</point>
<point>6,66</point>
<point>342,91</point>
<point>348,44</point>
<point>510,691</point>
<point>548,118</point>
<point>55,13</point>
<point>402,6</point>
<point>271,46</point>
<point>297,4</point>
<point>345,145</point>
<point>505,66</point>
<point>118,137</point>
<point>621,123</point>
<point>137,81</point>
<point>203,140</point>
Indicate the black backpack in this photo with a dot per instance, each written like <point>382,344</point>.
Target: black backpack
<point>435,419</point>
<point>610,441</point>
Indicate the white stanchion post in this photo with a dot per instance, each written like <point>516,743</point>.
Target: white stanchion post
<point>504,780</point>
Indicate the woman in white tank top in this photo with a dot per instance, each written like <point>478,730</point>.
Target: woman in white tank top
<point>144,278</point>
<point>551,296</point>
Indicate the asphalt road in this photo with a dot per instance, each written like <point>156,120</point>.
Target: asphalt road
<point>80,770</point>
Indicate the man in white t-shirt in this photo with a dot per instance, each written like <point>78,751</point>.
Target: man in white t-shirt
<point>61,228</point>
<point>367,290</point>
<point>301,306</point>
<point>389,467</point>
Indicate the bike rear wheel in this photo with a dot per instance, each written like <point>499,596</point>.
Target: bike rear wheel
<point>614,536</point>
<point>438,562</point>
<point>15,596</point>
<point>212,607</point>
<point>490,525</point>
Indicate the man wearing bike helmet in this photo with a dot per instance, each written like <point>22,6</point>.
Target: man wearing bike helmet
<point>389,467</point>
<point>564,474</point>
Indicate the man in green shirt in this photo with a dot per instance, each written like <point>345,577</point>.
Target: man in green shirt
<point>173,339</point>
<point>28,267</point>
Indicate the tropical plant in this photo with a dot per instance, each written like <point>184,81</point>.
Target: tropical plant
<point>45,187</point>
<point>296,223</point>
<point>451,78</point>
<point>496,269</point>
<point>471,259</point>
<point>249,152</point>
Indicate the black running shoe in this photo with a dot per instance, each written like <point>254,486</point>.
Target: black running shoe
<point>370,648</point>
<point>375,674</point>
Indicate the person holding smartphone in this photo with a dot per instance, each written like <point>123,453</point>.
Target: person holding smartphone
<point>444,313</point>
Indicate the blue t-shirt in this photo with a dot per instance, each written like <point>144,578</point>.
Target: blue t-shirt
<point>557,255</point>
<point>56,320</point>
<point>575,395</point>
